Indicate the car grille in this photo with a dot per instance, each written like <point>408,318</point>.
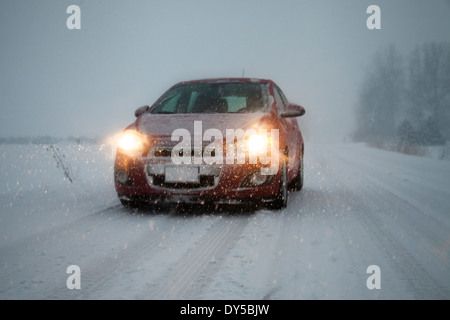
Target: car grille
<point>166,152</point>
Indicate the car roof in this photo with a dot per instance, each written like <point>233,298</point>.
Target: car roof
<point>219,80</point>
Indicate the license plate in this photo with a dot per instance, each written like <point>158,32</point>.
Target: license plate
<point>181,174</point>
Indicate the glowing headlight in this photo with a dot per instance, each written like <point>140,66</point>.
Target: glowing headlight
<point>131,141</point>
<point>258,144</point>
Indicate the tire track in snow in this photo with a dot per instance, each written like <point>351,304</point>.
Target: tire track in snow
<point>374,173</point>
<point>387,209</point>
<point>24,262</point>
<point>195,270</point>
<point>428,222</point>
<point>113,275</point>
<point>95,277</point>
<point>409,244</point>
<point>416,213</point>
<point>422,284</point>
<point>65,231</point>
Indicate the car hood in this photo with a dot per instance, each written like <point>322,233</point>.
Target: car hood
<point>163,125</point>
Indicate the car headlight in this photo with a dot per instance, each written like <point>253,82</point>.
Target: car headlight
<point>258,144</point>
<point>264,147</point>
<point>131,142</point>
<point>254,144</point>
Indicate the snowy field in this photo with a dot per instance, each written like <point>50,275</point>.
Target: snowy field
<point>360,207</point>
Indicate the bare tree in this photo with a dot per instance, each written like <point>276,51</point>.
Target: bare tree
<point>381,97</point>
<point>429,87</point>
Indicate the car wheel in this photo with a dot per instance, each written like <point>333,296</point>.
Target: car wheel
<point>131,204</point>
<point>280,200</point>
<point>297,183</point>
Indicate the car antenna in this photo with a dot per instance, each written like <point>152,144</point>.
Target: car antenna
<point>243,71</point>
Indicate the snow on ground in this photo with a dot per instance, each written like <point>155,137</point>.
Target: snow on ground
<point>359,207</point>
<point>35,194</point>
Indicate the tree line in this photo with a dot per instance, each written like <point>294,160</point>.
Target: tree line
<point>404,101</point>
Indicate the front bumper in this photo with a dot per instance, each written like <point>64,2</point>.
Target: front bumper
<point>146,180</point>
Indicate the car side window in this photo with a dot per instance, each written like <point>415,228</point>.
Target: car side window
<point>279,100</point>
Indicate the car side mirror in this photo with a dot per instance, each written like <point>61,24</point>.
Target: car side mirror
<point>293,110</point>
<point>141,110</point>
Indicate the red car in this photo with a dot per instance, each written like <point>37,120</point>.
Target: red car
<point>212,141</point>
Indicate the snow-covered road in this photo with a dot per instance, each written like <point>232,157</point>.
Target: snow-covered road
<point>359,207</point>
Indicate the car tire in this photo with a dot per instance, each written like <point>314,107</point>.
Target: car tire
<point>131,204</point>
<point>297,183</point>
<point>280,200</point>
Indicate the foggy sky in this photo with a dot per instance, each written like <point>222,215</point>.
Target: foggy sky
<point>60,82</point>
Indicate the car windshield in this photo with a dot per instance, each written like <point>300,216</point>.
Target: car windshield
<point>220,97</point>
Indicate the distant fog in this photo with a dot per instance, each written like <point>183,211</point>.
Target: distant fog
<point>59,82</point>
